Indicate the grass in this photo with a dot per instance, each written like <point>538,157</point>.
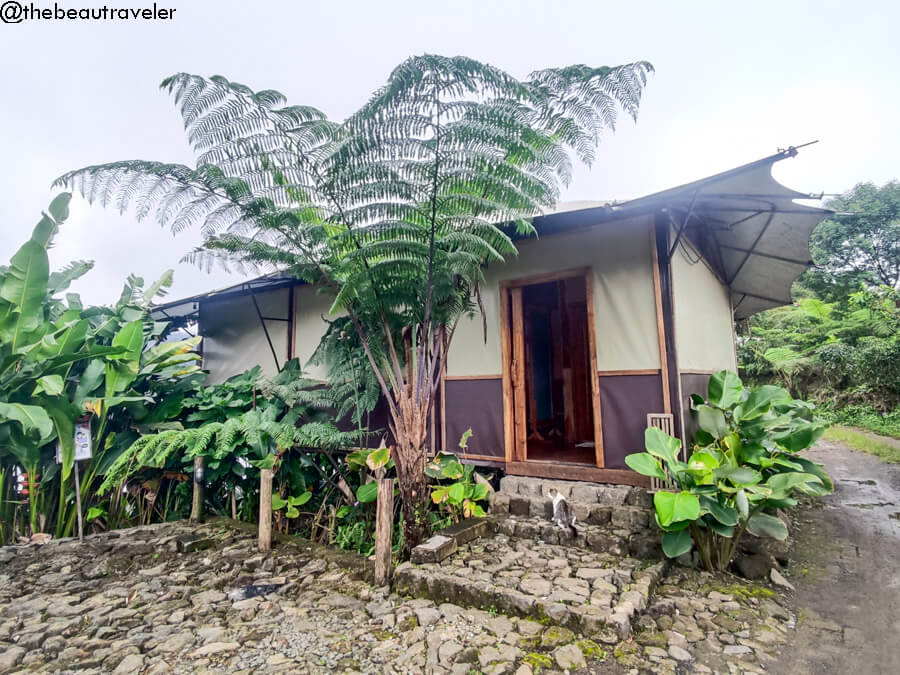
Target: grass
<point>886,448</point>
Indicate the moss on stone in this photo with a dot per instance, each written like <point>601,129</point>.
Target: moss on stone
<point>591,650</point>
<point>651,639</point>
<point>384,635</point>
<point>541,616</point>
<point>740,591</point>
<point>528,642</point>
<point>538,661</point>
<point>408,624</point>
<point>555,636</point>
<point>625,654</point>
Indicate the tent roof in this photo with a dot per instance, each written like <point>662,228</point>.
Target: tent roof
<point>746,224</point>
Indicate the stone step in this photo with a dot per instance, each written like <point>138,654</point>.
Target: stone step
<point>641,541</point>
<point>576,492</point>
<point>598,594</point>
<point>621,517</point>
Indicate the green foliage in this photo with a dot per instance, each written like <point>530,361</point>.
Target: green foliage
<point>287,411</point>
<point>393,212</point>
<point>744,463</point>
<point>290,504</point>
<point>865,417</point>
<point>60,361</point>
<point>843,353</point>
<point>838,344</point>
<point>861,244</point>
<point>461,489</point>
<point>870,443</point>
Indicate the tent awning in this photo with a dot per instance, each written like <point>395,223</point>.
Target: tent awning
<point>748,226</point>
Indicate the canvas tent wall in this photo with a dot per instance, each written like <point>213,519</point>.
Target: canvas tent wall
<point>618,253</point>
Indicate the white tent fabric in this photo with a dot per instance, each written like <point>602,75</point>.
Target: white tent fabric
<point>750,228</point>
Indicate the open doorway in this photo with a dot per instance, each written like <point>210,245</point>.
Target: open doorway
<point>554,387</point>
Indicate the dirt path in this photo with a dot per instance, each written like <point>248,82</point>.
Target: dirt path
<point>846,566</point>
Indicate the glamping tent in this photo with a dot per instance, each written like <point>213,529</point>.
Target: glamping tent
<point>604,323</point>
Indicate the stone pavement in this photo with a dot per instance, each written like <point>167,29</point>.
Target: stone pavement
<point>130,601</point>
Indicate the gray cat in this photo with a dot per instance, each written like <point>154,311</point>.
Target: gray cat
<point>562,512</point>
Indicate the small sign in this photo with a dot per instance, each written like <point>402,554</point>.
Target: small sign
<point>82,441</point>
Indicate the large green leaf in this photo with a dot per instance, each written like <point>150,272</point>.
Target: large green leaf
<point>378,459</point>
<point>445,465</point>
<point>672,507</point>
<point>120,373</point>
<point>741,476</point>
<point>782,484</point>
<point>724,389</point>
<point>33,420</point>
<point>367,493</point>
<point>91,378</point>
<point>456,493</point>
<point>675,544</point>
<point>826,484</point>
<point>661,445</point>
<point>50,384</point>
<point>703,461</point>
<point>724,514</point>
<point>59,207</point>
<point>742,503</point>
<point>764,525</point>
<point>300,499</point>
<point>645,464</point>
<point>801,437</point>
<point>712,421</point>
<point>719,528</point>
<point>24,288</point>
<point>759,401</point>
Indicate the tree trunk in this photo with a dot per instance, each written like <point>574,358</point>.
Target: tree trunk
<point>413,499</point>
<point>199,479</point>
<point>384,527</point>
<point>265,510</point>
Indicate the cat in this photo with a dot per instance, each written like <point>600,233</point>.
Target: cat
<point>562,512</point>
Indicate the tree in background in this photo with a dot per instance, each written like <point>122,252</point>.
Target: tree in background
<point>393,212</point>
<point>859,247</point>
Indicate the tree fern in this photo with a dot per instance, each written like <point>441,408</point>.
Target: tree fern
<point>393,211</point>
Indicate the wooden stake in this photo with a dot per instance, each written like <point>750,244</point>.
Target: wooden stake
<point>199,480</point>
<point>265,510</point>
<point>384,525</point>
<point>78,502</point>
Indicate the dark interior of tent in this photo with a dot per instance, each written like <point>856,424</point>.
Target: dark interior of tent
<point>557,372</point>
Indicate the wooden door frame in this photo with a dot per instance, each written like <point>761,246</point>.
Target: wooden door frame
<point>514,433</point>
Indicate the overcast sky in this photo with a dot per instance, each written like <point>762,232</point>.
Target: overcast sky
<point>734,82</point>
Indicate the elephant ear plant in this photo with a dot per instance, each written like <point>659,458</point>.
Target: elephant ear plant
<point>744,466</point>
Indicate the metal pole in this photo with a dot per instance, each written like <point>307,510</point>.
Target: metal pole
<point>78,503</point>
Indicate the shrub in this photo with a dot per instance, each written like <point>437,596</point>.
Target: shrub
<point>743,467</point>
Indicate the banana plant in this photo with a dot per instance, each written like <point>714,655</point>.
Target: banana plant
<point>744,465</point>
<point>41,340</point>
<point>60,361</point>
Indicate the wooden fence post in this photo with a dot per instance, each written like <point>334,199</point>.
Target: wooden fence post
<point>265,510</point>
<point>384,526</point>
<point>199,490</point>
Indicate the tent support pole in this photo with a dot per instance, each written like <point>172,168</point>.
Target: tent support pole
<point>667,307</point>
<point>681,230</point>
<point>756,241</point>
<point>262,322</point>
